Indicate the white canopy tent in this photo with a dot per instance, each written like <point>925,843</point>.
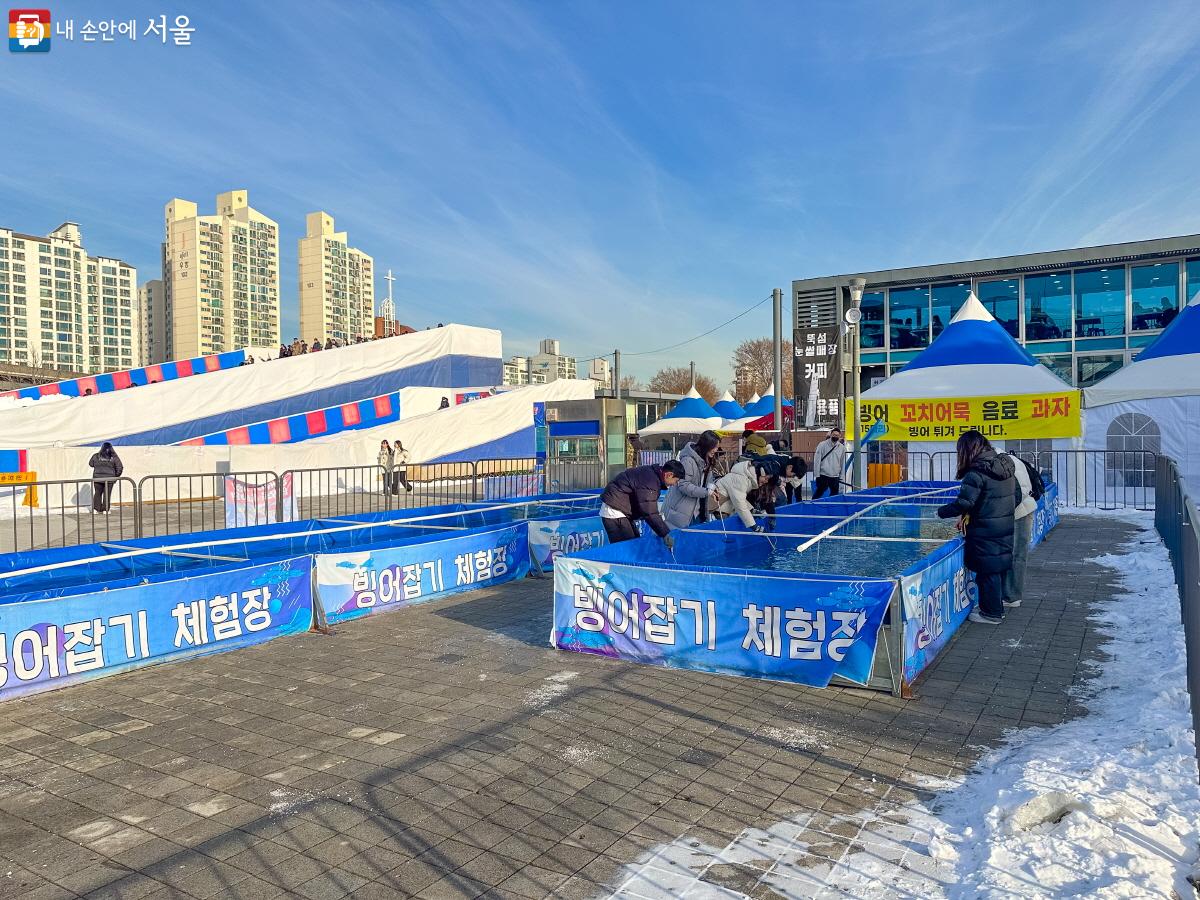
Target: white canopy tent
<point>973,357</point>
<point>1151,405</point>
<point>691,415</point>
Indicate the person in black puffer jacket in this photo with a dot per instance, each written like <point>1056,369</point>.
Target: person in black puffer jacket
<point>106,469</point>
<point>985,504</point>
<point>632,496</point>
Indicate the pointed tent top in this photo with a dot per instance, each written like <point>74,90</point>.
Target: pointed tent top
<point>754,398</point>
<point>1169,367</point>
<point>973,356</point>
<point>692,392</point>
<point>691,415</point>
<point>972,310</point>
<point>729,408</point>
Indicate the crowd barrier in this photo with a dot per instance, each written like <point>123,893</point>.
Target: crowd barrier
<point>1106,479</point>
<point>1177,520</point>
<point>69,614</point>
<point>40,514</point>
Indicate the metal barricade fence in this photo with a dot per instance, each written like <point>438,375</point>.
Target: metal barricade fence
<point>1107,479</point>
<point>333,491</point>
<point>498,478</point>
<point>205,501</point>
<point>65,513</point>
<point>575,474</point>
<point>1177,520</point>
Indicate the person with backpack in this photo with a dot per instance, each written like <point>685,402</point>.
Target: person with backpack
<point>986,499</point>
<point>1032,488</point>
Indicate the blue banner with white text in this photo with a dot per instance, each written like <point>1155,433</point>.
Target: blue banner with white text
<point>936,596</point>
<point>352,584</point>
<point>50,643</point>
<point>791,628</point>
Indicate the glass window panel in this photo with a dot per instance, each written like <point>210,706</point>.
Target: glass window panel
<point>1048,306</point>
<point>1099,301</point>
<point>1094,367</point>
<point>1060,365</point>
<point>1001,299</point>
<point>909,315</point>
<point>947,300</point>
<point>873,375</point>
<point>871,329</point>
<point>1155,293</point>
<point>1193,279</point>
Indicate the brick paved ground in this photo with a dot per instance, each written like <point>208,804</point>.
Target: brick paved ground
<point>446,751</point>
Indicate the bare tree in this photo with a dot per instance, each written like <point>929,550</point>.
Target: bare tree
<point>754,361</point>
<point>629,383</point>
<point>679,381</point>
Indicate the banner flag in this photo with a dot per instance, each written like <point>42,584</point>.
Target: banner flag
<point>350,585</point>
<point>1001,417</point>
<point>803,630</point>
<point>46,644</point>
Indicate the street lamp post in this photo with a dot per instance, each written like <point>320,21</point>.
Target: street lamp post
<point>853,318</point>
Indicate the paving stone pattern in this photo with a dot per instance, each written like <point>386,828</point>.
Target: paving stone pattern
<point>445,751</point>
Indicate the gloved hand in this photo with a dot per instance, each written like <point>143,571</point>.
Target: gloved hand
<point>669,540</point>
<point>758,529</point>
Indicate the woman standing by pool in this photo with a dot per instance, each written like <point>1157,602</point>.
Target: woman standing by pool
<point>985,505</point>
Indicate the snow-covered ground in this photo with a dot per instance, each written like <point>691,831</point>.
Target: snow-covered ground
<point>1107,805</point>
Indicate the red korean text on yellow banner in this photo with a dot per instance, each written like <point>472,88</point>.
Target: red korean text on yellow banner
<point>1011,417</point>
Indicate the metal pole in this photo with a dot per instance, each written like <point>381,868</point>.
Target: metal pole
<point>617,374</point>
<point>856,377</point>
<point>777,297</point>
<point>693,366</point>
<point>857,285</point>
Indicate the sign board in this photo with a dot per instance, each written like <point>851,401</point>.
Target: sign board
<point>1000,417</point>
<point>817,373</point>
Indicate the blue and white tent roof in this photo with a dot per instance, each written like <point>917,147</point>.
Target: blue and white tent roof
<point>728,408</point>
<point>691,415</point>
<point>973,357</point>
<point>1169,367</point>
<point>765,405</point>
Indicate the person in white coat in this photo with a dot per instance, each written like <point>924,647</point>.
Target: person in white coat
<point>400,476</point>
<point>1014,578</point>
<point>746,487</point>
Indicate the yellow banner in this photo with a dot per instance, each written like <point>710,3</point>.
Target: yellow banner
<point>29,478</point>
<point>1007,417</point>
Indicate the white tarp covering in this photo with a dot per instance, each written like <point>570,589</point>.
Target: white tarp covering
<point>428,437</point>
<point>256,389</point>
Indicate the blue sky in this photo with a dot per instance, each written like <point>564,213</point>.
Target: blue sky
<point>619,174</point>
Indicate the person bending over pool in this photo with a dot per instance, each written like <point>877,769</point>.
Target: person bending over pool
<point>633,496</point>
<point>748,486</point>
<point>985,504</point>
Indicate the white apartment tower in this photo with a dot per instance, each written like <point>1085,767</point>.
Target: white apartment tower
<point>551,363</point>
<point>63,309</point>
<point>220,277</point>
<point>337,284</point>
<point>153,301</point>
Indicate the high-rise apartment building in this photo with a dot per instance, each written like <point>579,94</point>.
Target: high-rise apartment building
<point>551,363</point>
<point>63,309</point>
<point>153,302</point>
<point>337,284</point>
<point>220,277</point>
<point>519,371</point>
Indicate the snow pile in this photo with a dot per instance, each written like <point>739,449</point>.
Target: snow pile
<point>1106,805</point>
<point>547,694</point>
<point>20,402</point>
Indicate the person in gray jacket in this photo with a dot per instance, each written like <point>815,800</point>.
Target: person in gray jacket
<point>106,469</point>
<point>686,500</point>
<point>1014,578</point>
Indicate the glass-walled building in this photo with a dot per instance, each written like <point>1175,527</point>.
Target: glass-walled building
<point>1084,313</point>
